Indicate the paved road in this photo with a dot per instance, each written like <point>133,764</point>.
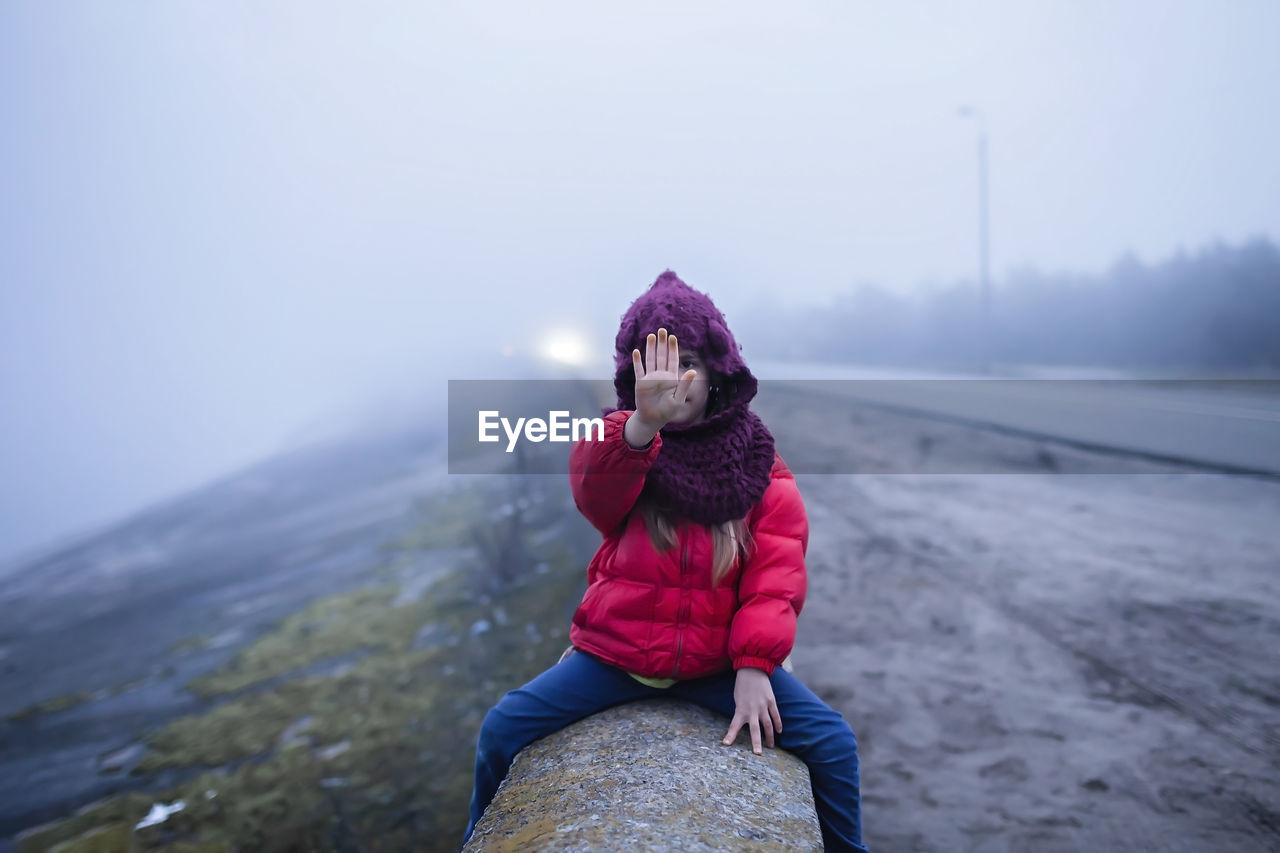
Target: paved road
<point>1231,425</point>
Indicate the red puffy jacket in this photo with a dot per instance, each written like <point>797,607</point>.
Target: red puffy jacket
<point>657,615</point>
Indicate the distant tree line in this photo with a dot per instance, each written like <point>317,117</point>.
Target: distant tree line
<point>1216,309</point>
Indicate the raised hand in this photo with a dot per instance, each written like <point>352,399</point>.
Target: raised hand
<point>660,388</point>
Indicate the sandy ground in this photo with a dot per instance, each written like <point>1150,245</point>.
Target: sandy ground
<point>1042,661</point>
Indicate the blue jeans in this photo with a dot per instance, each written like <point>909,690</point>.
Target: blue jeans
<point>581,685</point>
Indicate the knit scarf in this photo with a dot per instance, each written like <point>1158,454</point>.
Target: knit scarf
<point>714,471</point>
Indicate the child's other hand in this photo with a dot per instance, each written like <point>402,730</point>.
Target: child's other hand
<point>755,707</point>
<point>661,389</point>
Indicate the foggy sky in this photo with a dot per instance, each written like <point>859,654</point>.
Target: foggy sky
<point>224,225</point>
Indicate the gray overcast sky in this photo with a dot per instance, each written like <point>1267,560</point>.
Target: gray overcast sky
<point>225,222</point>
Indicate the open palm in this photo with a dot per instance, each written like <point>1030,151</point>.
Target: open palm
<point>660,388</point>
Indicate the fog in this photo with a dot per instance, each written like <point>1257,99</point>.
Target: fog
<point>230,228</point>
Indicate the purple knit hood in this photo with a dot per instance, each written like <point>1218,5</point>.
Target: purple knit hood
<point>716,470</point>
<point>697,324</point>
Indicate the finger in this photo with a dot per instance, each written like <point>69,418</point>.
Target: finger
<point>755,736</point>
<point>734,728</point>
<point>777,717</point>
<point>685,383</point>
<point>767,725</point>
<point>673,354</point>
<point>636,364</point>
<point>650,352</point>
<point>663,348</point>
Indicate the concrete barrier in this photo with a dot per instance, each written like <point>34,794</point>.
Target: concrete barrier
<point>650,775</point>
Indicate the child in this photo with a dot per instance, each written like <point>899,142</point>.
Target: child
<point>695,590</point>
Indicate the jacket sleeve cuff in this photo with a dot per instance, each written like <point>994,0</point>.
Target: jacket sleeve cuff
<point>759,663</point>
<point>650,450</point>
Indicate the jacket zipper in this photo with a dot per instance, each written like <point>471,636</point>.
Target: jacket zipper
<point>684,563</point>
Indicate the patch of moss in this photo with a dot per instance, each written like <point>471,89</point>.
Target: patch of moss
<point>50,706</point>
<point>329,628</point>
<point>230,732</point>
<point>113,838</point>
<point>190,644</point>
<point>445,521</point>
<point>125,809</point>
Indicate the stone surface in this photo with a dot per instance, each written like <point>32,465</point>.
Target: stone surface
<point>650,775</point>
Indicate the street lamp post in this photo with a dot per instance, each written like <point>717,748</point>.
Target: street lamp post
<point>983,238</point>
